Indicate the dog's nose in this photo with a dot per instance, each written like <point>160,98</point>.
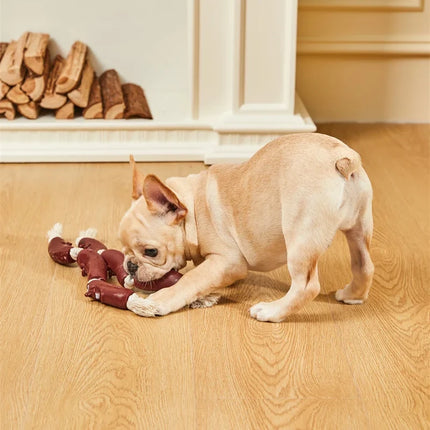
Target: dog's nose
<point>132,268</point>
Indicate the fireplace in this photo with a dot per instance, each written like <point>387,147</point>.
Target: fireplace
<point>219,77</point>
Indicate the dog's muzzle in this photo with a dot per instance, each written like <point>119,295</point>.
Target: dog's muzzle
<point>132,268</point>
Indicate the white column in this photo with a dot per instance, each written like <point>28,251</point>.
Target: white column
<point>263,72</point>
<point>247,59</point>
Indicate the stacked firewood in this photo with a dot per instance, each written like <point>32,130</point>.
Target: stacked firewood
<point>30,81</point>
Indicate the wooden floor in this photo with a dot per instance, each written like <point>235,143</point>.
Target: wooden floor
<point>67,362</point>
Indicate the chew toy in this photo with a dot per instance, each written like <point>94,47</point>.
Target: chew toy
<point>98,263</point>
<point>92,264</point>
<point>167,280</point>
<point>89,242</point>
<point>115,263</point>
<point>108,294</point>
<point>60,251</point>
<point>114,260</point>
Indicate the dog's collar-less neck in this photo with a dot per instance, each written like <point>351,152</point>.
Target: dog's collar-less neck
<point>191,247</point>
<point>189,232</point>
<point>189,229</point>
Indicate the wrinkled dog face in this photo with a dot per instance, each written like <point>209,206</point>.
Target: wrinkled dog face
<point>152,230</point>
<point>150,243</point>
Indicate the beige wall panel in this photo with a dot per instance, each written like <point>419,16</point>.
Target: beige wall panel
<point>360,88</point>
<point>332,23</point>
<point>366,63</point>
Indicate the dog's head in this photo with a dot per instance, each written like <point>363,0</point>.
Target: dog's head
<point>151,231</point>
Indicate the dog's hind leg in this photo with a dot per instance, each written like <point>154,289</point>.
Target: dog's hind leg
<point>359,237</point>
<point>305,286</point>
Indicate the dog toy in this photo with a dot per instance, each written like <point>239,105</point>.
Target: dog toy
<point>99,263</point>
<point>108,294</point>
<point>92,264</point>
<point>60,251</point>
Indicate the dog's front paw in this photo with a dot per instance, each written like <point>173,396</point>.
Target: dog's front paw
<point>264,311</point>
<point>205,302</point>
<point>145,307</point>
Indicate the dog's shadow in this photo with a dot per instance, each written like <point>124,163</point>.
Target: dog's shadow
<point>259,287</point>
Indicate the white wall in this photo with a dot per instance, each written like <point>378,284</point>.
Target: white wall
<point>358,60</point>
<point>219,75</point>
<point>145,41</point>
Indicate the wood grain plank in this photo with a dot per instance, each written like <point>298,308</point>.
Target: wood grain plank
<point>70,360</point>
<point>267,364</point>
<point>26,281</point>
<point>65,359</point>
<point>393,326</point>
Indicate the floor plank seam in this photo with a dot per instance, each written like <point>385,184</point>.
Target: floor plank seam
<point>39,351</point>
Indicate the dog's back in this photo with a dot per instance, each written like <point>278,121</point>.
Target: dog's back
<point>297,182</point>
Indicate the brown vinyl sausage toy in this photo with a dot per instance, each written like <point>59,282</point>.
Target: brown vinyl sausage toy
<point>92,264</point>
<point>114,260</point>
<point>97,262</point>
<point>59,250</point>
<point>108,294</point>
<point>115,263</point>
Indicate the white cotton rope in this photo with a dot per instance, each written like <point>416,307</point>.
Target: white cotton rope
<point>129,282</point>
<point>56,231</point>
<point>74,252</point>
<point>90,232</point>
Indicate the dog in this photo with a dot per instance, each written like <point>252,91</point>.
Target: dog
<point>282,206</point>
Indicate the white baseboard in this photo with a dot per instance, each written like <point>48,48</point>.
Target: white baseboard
<point>80,140</point>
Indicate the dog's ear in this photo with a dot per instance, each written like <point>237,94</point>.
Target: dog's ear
<point>162,200</point>
<point>138,179</point>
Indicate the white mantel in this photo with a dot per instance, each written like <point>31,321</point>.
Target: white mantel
<point>219,77</point>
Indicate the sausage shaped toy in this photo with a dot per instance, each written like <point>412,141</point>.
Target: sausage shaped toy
<point>114,260</point>
<point>116,296</point>
<point>115,263</point>
<point>60,251</point>
<point>92,264</point>
<point>95,261</point>
<point>89,242</point>
<point>108,294</point>
<point>165,281</point>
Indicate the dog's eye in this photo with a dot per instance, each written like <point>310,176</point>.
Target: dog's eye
<point>151,252</point>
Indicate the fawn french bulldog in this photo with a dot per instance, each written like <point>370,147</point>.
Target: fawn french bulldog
<point>283,206</point>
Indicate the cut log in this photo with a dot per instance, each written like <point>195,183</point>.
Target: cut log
<point>35,51</point>
<point>51,99</point>
<point>7,109</point>
<point>94,109</point>
<point>29,110</point>
<point>72,70</point>
<point>34,86</point>
<point>80,95</point>
<point>17,96</point>
<point>135,102</point>
<point>113,101</point>
<point>11,66</point>
<point>3,47</point>
<point>66,112</point>
<point>3,89</point>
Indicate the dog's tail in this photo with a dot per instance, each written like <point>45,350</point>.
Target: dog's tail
<point>346,166</point>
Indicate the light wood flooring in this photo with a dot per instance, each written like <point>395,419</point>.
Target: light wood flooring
<point>69,363</point>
